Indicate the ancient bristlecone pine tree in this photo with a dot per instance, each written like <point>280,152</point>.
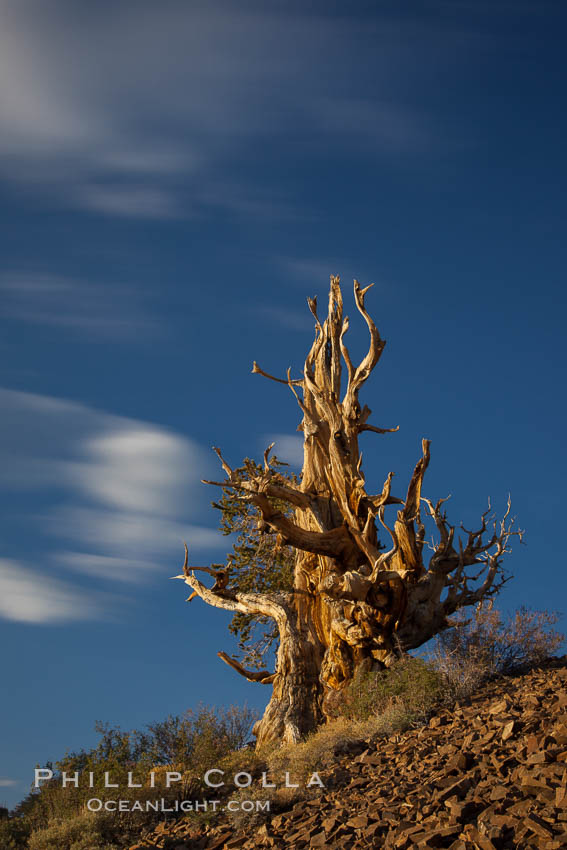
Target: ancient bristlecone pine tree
<point>354,605</point>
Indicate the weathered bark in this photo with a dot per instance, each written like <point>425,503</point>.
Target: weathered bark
<point>353,606</point>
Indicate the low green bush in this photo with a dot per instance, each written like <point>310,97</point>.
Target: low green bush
<point>14,833</point>
<point>190,744</point>
<point>412,687</point>
<point>83,832</point>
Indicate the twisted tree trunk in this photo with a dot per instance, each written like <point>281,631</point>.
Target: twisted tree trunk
<point>353,606</point>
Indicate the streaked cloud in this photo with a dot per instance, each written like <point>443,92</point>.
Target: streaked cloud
<point>104,566</point>
<point>124,494</point>
<point>30,596</point>
<point>162,161</point>
<point>7,783</point>
<point>138,536</point>
<point>384,125</point>
<point>136,201</point>
<point>136,468</point>
<point>98,309</point>
<point>141,109</point>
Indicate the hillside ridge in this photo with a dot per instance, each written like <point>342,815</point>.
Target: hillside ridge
<point>486,775</point>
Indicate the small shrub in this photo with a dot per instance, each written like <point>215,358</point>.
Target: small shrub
<point>190,743</point>
<point>218,732</point>
<point>247,760</point>
<point>247,818</point>
<point>84,832</point>
<point>485,645</point>
<point>412,687</point>
<point>14,833</point>
<point>314,753</point>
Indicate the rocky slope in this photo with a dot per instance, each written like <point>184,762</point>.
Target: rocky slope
<point>490,774</point>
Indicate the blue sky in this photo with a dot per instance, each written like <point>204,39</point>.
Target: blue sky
<point>175,180</point>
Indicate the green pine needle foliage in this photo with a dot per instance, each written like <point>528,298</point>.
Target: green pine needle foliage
<point>259,561</point>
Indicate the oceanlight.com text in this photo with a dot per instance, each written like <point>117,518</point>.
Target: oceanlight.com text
<point>97,805</point>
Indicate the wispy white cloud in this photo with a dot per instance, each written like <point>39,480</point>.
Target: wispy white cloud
<point>384,125</point>
<point>130,201</point>
<point>125,490</point>
<point>136,468</point>
<point>92,98</point>
<point>242,198</point>
<point>130,536</point>
<point>8,783</point>
<point>28,596</point>
<point>104,566</point>
<point>153,161</point>
<point>98,309</point>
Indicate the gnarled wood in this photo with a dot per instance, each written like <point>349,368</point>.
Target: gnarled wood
<point>354,605</point>
<point>263,676</point>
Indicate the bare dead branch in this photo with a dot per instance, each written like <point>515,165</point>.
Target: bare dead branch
<point>450,564</point>
<point>219,572</point>
<point>336,541</point>
<point>262,676</point>
<point>312,302</point>
<point>272,606</point>
<point>386,557</point>
<point>345,351</point>
<point>267,467</point>
<point>376,343</point>
<point>257,371</point>
<point>224,464</point>
<point>377,430</point>
<point>413,497</point>
<point>309,424</point>
<point>284,492</point>
<point>384,497</point>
